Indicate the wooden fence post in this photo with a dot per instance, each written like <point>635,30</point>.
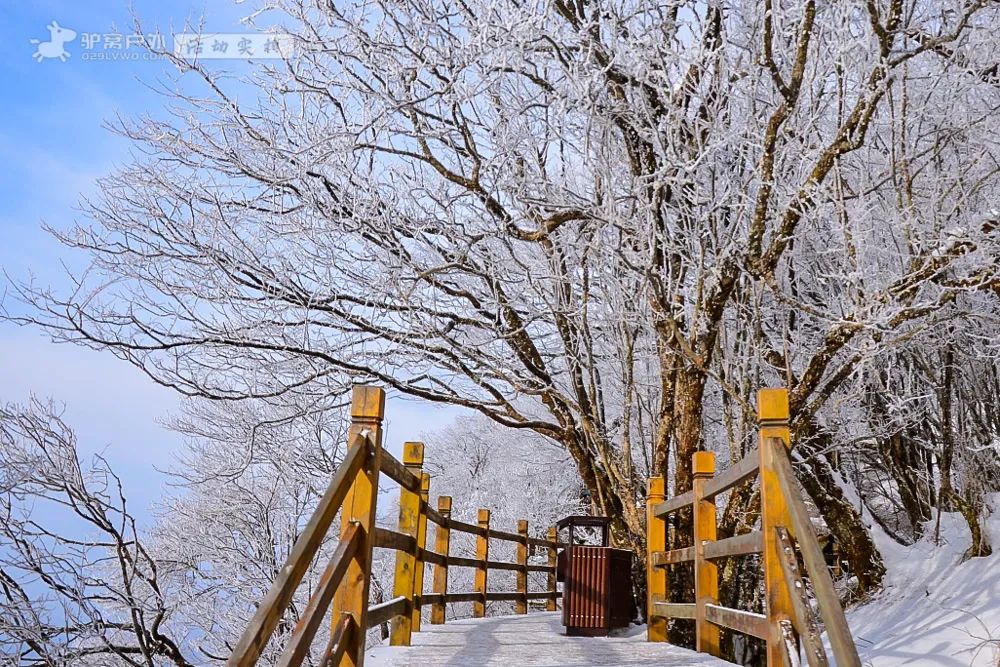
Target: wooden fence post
<point>441,540</point>
<point>367,411</point>
<point>418,561</point>
<point>706,573</point>
<point>772,414</point>
<point>522,572</point>
<point>409,515</point>
<point>482,555</point>
<point>656,577</point>
<point>550,603</point>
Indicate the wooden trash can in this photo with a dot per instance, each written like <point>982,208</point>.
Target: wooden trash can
<point>597,579</point>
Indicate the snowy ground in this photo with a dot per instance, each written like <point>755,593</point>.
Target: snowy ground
<point>535,640</point>
<point>936,611</point>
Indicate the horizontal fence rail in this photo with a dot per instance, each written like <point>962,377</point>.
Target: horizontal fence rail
<point>789,622</point>
<point>343,587</point>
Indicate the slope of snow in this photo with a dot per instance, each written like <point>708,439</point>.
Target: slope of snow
<point>935,611</point>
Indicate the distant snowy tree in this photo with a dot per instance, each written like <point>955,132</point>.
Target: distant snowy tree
<point>79,583</point>
<point>516,475</point>
<point>82,584</point>
<point>249,479</point>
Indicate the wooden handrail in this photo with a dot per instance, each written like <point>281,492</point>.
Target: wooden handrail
<point>396,470</point>
<point>678,502</point>
<point>433,557</point>
<point>383,538</point>
<point>674,609</point>
<point>803,621</point>
<point>253,640</point>
<point>746,468</point>
<point>435,516</point>
<point>380,613</point>
<point>343,586</point>
<point>503,565</point>
<point>439,519</point>
<point>345,579</point>
<point>747,622</point>
<point>339,640</point>
<point>463,527</point>
<point>458,561</point>
<point>505,536</point>
<point>473,596</point>
<point>305,630</point>
<point>785,525</point>
<point>664,558</point>
<point>837,629</point>
<point>432,599</point>
<point>738,545</point>
<point>464,597</point>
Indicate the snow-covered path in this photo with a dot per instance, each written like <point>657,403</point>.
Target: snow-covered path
<point>535,640</point>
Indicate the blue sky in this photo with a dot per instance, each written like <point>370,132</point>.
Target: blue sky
<point>54,147</point>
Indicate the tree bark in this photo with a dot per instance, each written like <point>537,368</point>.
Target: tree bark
<point>844,521</point>
<point>688,397</point>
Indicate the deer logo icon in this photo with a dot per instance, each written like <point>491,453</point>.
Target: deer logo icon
<point>55,47</point>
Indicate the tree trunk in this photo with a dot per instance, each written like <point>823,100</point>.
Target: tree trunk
<point>905,462</point>
<point>689,392</point>
<point>844,522</point>
<point>970,509</point>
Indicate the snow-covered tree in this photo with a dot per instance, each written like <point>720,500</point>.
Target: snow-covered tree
<point>605,222</point>
<point>79,583</point>
<point>516,475</point>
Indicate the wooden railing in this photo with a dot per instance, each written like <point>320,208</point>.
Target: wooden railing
<point>788,623</point>
<point>345,581</point>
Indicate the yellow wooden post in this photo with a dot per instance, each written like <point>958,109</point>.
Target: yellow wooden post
<point>367,411</point>
<point>772,413</point>
<point>441,540</point>
<point>706,573</point>
<point>553,537</point>
<point>409,514</point>
<point>656,577</point>
<point>418,563</point>
<point>482,555</point>
<point>522,572</point>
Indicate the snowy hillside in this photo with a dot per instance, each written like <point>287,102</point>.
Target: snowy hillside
<point>936,610</point>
